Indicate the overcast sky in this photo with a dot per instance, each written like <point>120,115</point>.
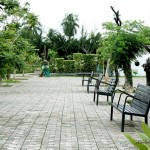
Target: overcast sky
<point>91,13</point>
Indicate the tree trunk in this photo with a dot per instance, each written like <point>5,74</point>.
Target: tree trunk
<point>107,70</point>
<point>0,80</point>
<point>116,72</point>
<point>147,70</point>
<point>14,74</point>
<point>23,73</point>
<point>128,85</point>
<point>103,67</point>
<point>148,78</point>
<point>8,76</point>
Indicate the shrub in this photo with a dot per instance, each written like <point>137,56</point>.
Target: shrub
<point>69,66</point>
<point>77,57</point>
<point>59,64</point>
<point>89,62</point>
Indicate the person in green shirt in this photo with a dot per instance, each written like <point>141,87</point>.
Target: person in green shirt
<point>45,69</point>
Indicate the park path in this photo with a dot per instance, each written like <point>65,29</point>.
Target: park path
<point>56,113</point>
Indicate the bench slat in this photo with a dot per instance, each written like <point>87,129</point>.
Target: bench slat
<point>128,109</point>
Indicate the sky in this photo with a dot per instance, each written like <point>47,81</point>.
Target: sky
<point>91,13</point>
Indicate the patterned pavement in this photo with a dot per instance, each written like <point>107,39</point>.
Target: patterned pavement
<point>57,113</point>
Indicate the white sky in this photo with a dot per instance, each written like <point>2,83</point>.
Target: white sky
<point>91,13</point>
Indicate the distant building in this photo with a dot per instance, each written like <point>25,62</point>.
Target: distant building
<point>138,70</point>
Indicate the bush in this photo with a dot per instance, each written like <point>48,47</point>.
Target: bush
<point>89,62</point>
<point>77,57</point>
<point>69,66</point>
<point>59,64</point>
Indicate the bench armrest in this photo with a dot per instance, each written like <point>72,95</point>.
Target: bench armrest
<point>94,78</point>
<point>128,95</point>
<point>123,92</point>
<point>105,83</point>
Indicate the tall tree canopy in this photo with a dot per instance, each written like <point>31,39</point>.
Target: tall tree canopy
<point>14,49</point>
<point>123,44</point>
<point>70,25</point>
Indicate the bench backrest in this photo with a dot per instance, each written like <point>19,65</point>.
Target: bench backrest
<point>143,94</point>
<point>91,76</point>
<point>98,82</point>
<point>112,85</point>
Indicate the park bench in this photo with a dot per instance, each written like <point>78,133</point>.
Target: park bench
<point>91,83</point>
<point>108,90</point>
<point>139,105</point>
<point>90,75</point>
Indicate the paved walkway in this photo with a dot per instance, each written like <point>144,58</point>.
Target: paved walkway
<point>56,113</point>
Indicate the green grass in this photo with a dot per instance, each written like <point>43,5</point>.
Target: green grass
<point>11,81</point>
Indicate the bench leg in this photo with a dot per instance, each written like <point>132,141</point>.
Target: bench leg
<point>131,117</point>
<point>122,124</point>
<point>97,99</point>
<point>107,98</point>
<point>94,96</point>
<point>146,119</point>
<point>83,80</point>
<point>111,113</point>
<point>88,88</point>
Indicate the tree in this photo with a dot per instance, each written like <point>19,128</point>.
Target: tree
<point>57,42</point>
<point>122,44</point>
<point>14,48</point>
<point>89,42</point>
<point>70,25</point>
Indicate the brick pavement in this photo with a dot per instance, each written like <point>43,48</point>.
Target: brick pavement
<point>56,113</point>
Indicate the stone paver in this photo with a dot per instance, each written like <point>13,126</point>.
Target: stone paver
<point>56,113</point>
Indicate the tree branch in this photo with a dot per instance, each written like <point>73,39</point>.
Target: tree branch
<point>117,19</point>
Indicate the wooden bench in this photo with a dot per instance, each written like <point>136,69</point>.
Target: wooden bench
<point>139,106</point>
<point>97,80</point>
<point>107,91</point>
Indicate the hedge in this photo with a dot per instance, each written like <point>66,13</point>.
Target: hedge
<point>69,66</point>
<point>89,62</point>
<point>77,57</point>
<point>59,64</point>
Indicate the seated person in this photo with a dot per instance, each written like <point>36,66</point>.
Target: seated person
<point>45,69</point>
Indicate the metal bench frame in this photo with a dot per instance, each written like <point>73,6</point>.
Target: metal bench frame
<point>107,91</point>
<point>139,106</point>
<point>86,79</point>
<point>91,83</point>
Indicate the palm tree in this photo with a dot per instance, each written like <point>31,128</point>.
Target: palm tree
<point>69,25</point>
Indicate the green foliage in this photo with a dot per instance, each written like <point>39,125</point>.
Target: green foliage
<point>123,44</point>
<point>15,51</point>
<point>100,59</point>
<point>69,25</point>
<point>11,81</point>
<point>89,62</point>
<point>33,36</point>
<point>56,41</point>
<point>69,66</point>
<point>144,143</point>
<point>89,43</point>
<point>52,54</point>
<point>59,64</point>
<point>77,57</point>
